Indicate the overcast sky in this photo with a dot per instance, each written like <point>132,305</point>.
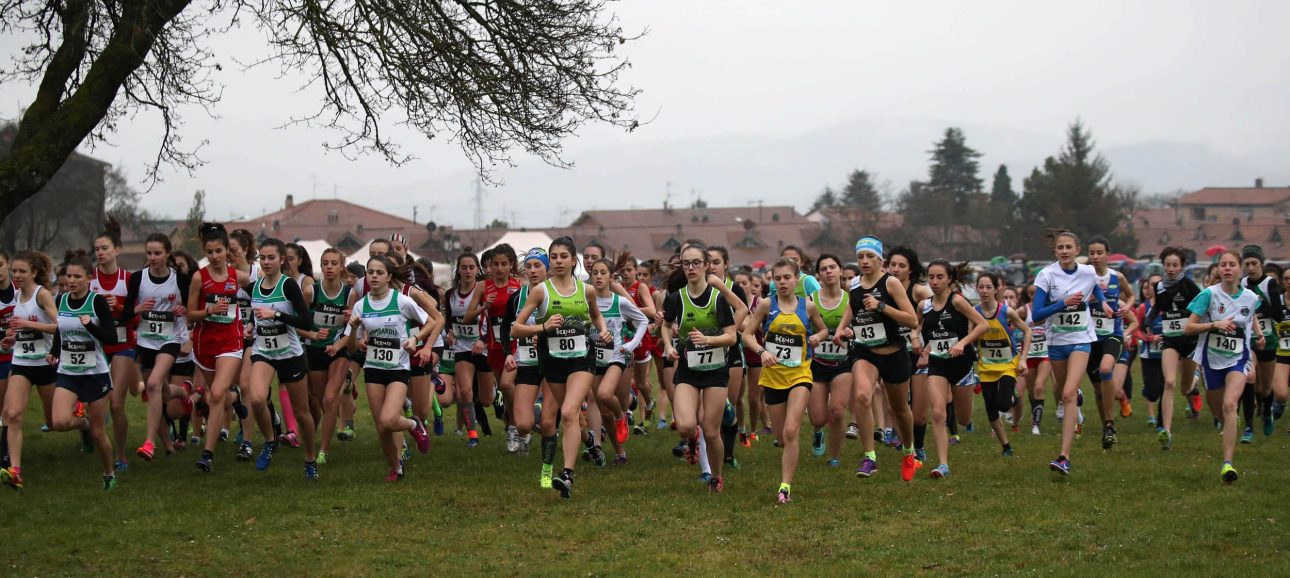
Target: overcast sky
<point>742,71</point>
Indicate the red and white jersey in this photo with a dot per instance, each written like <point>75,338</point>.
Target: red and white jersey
<point>8,298</point>
<point>117,285</point>
<point>501,294</point>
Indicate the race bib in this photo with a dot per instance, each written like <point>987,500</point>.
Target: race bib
<point>1173,327</point>
<point>940,348</point>
<point>604,355</point>
<point>462,331</point>
<point>567,343</point>
<point>121,334</point>
<point>1267,328</point>
<point>382,352</point>
<point>1103,326</point>
<point>526,353</point>
<point>328,320</point>
<point>30,344</point>
<point>829,351</point>
<point>157,325</point>
<point>77,357</point>
<point>226,317</point>
<point>1072,319</point>
<point>707,359</point>
<point>870,334</point>
<point>995,352</point>
<point>273,339</point>
<point>788,349</point>
<point>1038,346</point>
<point>497,331</point>
<point>1284,343</point>
<point>1227,345</point>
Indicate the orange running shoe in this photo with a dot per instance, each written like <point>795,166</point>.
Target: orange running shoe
<point>909,466</point>
<point>79,411</point>
<point>1126,409</point>
<point>146,450</point>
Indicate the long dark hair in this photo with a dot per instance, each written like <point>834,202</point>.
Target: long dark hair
<point>306,264</point>
<point>213,232</point>
<point>398,272</point>
<point>40,264</point>
<point>111,231</point>
<point>456,268</point>
<point>916,270</point>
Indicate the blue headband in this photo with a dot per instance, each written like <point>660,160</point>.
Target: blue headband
<point>539,254</point>
<point>870,244</point>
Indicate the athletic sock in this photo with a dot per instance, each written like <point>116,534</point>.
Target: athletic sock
<point>704,466</point>
<point>873,456</point>
<point>1036,411</point>
<point>1247,405</point>
<point>728,439</point>
<point>183,428</point>
<point>467,415</point>
<point>920,435</point>
<point>548,450</point>
<point>434,405</point>
<point>277,422</point>
<point>950,421</point>
<point>4,440</point>
<point>1267,406</point>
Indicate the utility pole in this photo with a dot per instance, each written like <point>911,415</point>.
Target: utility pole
<point>479,204</point>
<point>414,215</point>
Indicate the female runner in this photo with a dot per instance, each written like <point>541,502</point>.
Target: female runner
<point>1150,345</point>
<point>463,343</point>
<point>158,296</point>
<point>1268,290</point>
<point>30,336</point>
<point>831,393</point>
<point>490,305</point>
<point>642,297</point>
<point>950,328</point>
<point>327,364</point>
<point>1173,294</point>
<point>110,281</point>
<point>903,264</point>
<point>718,264</point>
<point>612,393</point>
<point>522,358</point>
<point>1000,361</point>
<point>8,296</point>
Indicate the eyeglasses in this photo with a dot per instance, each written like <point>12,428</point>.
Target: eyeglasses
<point>695,264</point>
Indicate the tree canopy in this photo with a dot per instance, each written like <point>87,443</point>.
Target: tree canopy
<point>495,76</point>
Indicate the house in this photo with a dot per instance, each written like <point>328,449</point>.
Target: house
<point>1218,216</point>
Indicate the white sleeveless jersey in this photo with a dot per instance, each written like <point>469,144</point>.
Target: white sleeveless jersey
<point>159,326</point>
<point>31,346</point>
<point>464,334</point>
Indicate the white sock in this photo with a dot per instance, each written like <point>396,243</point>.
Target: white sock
<point>703,456</point>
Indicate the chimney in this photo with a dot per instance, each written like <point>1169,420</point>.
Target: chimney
<point>291,201</point>
<point>1258,183</point>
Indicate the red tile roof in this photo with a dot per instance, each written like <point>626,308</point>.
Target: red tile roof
<point>1237,196</point>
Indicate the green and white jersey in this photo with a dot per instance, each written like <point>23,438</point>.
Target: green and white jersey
<point>79,352</point>
<point>388,322</point>
<point>570,340</point>
<point>832,317</point>
<point>626,324</point>
<point>328,311</point>
<point>273,338</point>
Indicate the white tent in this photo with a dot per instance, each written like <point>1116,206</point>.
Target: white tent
<point>522,241</point>
<point>315,250</point>
<point>361,254</point>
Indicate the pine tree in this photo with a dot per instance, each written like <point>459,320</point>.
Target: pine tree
<point>861,193</point>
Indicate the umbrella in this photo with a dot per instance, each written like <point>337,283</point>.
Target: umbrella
<point>1120,257</point>
<point>759,264</point>
<point>1214,250</point>
<point>1000,260</point>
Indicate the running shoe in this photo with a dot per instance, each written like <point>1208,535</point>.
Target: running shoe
<point>394,476</point>
<point>311,471</point>
<point>620,460</point>
<point>1034,430</point>
<point>1247,436</point>
<point>564,484</point>
<point>80,409</point>
<point>834,463</point>
<point>621,430</point>
<point>662,424</point>
<point>598,456</point>
<point>291,439</point>
<point>733,463</point>
<point>524,443</point>
<point>692,450</point>
<point>1151,421</point>
<point>109,483</point>
<point>1268,426</point>
<point>512,440</point>
<point>705,477</point>
<point>407,408</point>
<point>941,471</point>
<point>649,412</point>
<point>121,465</point>
<point>44,428</point>
<point>322,458</point>
<point>545,481</point>
<point>1016,428</point>
<point>1060,465</point>
<point>223,435</point>
<point>716,486</point>
<point>1008,451</point>
<point>920,454</point>
<point>817,444</point>
<point>908,467</point>
<point>266,456</point>
<point>631,417</point>
<point>1007,417</point>
<point>1079,430</point>
<point>1061,410</point>
<point>239,438</point>
<point>1196,404</point>
<point>87,443</point>
<point>422,437</point>
<point>785,494</point>
<point>867,468</point>
<point>1166,439</point>
<point>679,449</point>
<point>853,431</point>
<point>12,479</point>
<point>969,428</point>
<point>1228,473</point>
<point>244,452</point>
<point>1278,409</point>
<point>145,451</point>
<point>438,425</point>
<point>1109,438</point>
<point>640,430</point>
<point>955,440</point>
<point>204,462</point>
<point>1126,408</point>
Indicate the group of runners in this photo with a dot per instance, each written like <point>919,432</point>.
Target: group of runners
<point>876,348</point>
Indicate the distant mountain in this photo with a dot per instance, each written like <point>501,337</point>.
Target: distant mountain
<point>739,169</point>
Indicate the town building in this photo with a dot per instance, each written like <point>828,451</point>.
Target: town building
<point>1228,217</point>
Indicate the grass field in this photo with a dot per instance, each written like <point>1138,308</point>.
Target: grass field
<point>1136,510</point>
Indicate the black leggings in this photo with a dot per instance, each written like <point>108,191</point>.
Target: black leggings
<point>1153,380</point>
<point>999,396</point>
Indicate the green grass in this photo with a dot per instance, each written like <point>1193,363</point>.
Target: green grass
<point>1135,510</point>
